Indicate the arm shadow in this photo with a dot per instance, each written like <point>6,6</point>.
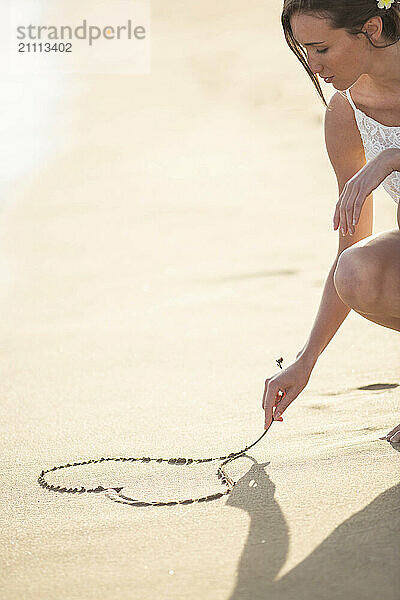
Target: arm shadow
<point>360,557</point>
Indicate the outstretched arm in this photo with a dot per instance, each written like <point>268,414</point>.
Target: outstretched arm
<point>346,153</point>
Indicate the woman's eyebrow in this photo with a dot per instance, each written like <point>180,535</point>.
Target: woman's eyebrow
<point>313,43</point>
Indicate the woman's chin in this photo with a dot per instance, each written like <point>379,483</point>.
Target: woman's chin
<point>338,85</point>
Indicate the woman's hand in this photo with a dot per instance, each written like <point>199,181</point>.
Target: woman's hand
<point>281,389</point>
<point>356,190</point>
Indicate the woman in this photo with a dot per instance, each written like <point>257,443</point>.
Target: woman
<point>351,44</point>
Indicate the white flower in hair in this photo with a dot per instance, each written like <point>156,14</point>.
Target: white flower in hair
<point>385,3</point>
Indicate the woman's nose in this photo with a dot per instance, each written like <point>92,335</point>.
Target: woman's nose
<point>314,65</point>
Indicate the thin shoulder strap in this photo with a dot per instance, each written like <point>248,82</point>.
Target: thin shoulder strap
<point>350,99</point>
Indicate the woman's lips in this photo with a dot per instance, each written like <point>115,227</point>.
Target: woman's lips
<point>328,79</point>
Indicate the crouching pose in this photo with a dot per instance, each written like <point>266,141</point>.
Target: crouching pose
<point>354,45</point>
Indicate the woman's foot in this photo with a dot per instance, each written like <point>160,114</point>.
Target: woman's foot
<point>393,436</point>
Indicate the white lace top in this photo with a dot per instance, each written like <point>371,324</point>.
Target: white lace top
<point>376,138</point>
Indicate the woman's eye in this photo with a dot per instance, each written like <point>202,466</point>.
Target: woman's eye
<point>322,51</point>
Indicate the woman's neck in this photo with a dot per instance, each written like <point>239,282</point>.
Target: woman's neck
<point>383,69</point>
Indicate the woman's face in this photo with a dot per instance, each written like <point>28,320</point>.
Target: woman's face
<point>339,55</point>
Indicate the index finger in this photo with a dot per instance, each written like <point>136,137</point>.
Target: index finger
<point>271,399</point>
<point>336,219</point>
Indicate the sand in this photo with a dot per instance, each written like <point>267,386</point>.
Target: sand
<point>154,266</point>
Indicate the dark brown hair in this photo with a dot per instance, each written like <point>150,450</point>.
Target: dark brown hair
<point>350,15</point>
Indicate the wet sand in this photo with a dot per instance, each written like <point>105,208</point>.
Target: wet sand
<point>154,267</point>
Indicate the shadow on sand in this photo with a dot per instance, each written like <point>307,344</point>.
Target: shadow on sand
<point>361,558</point>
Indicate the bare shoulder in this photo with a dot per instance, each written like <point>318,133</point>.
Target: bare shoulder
<point>342,139</point>
<point>340,109</point>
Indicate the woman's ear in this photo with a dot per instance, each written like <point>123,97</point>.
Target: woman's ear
<point>373,28</point>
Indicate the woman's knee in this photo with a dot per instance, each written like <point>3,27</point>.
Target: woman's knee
<point>357,279</point>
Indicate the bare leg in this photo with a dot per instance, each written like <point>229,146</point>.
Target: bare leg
<point>369,266</point>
